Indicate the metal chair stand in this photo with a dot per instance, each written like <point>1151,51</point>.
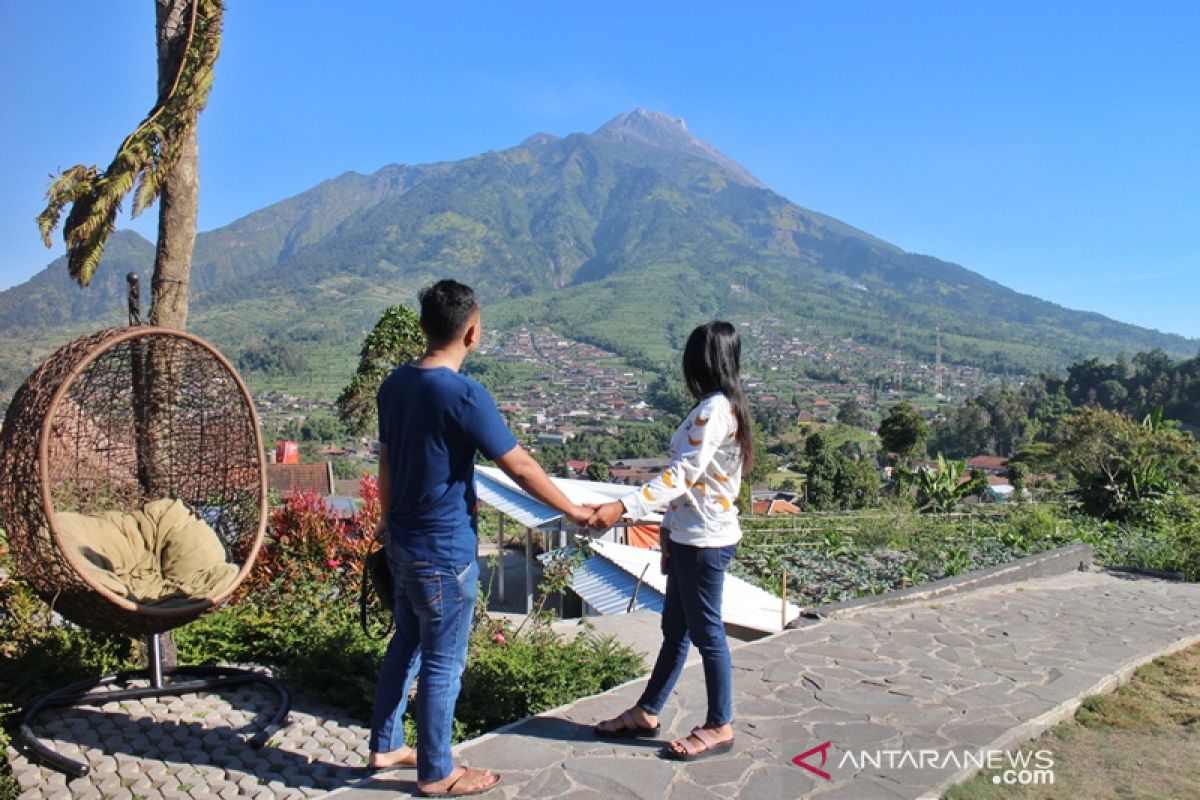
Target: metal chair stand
<point>163,682</point>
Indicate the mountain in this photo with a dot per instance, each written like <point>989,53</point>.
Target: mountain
<point>626,237</point>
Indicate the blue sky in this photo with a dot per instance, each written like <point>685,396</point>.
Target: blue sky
<point>1049,146</point>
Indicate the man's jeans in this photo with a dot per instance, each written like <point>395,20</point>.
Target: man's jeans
<point>692,613</point>
<point>433,608</point>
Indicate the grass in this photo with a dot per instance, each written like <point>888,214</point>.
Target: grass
<point>1141,741</point>
<point>781,476</point>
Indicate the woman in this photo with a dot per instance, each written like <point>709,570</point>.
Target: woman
<point>698,537</point>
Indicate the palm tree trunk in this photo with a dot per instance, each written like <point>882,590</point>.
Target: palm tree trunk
<point>179,202</point>
<point>177,212</point>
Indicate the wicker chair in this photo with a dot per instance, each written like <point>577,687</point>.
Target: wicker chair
<point>110,422</point>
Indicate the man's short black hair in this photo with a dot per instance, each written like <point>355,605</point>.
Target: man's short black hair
<point>446,308</point>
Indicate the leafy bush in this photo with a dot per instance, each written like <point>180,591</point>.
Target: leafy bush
<point>306,542</point>
<point>1171,543</point>
<point>9,789</point>
<point>1120,468</point>
<point>510,677</point>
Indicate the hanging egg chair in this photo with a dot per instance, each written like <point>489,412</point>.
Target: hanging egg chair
<point>133,487</point>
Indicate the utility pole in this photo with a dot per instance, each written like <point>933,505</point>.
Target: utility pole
<point>937,365</point>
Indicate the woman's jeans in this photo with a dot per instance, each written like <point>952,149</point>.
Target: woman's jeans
<point>433,608</point>
<point>692,613</point>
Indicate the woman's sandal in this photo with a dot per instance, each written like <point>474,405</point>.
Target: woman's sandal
<point>711,746</point>
<point>456,789</point>
<point>630,729</point>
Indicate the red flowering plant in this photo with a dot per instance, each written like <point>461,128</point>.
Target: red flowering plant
<point>307,540</point>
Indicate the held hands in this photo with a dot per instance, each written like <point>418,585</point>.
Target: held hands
<point>580,515</point>
<point>606,515</point>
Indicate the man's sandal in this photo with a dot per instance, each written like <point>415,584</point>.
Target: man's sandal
<point>407,761</point>
<point>709,746</point>
<point>630,729</point>
<point>458,789</point>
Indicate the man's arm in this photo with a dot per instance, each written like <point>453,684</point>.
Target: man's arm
<point>385,492</point>
<point>529,475</point>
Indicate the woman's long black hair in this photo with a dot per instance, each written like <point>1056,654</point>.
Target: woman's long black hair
<point>712,362</point>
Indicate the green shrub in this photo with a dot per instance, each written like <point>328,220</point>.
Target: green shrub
<point>518,676</point>
<point>9,789</point>
<point>319,646</point>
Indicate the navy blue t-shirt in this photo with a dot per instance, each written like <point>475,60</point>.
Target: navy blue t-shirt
<point>433,421</point>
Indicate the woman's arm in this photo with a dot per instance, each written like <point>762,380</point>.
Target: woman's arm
<point>710,426</point>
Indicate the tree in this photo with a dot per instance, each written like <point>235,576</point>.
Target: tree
<point>967,431</point>
<point>851,413</point>
<point>1018,474</point>
<point>160,158</point>
<point>322,426</point>
<point>903,432</point>
<point>396,339</point>
<point>669,395</point>
<point>597,472</point>
<point>836,480</point>
<point>820,484</point>
<point>857,482</point>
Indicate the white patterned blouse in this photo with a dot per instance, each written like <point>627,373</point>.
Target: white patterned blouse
<point>699,489</point>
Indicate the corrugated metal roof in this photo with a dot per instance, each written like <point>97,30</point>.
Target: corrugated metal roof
<point>501,493</point>
<point>608,588</point>
<point>495,489</point>
<point>742,603</point>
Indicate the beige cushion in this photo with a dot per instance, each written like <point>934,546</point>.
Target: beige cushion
<point>162,554</point>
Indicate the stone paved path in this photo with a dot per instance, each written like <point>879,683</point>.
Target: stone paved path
<point>987,668</point>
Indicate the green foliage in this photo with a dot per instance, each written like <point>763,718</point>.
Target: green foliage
<point>1119,468</point>
<point>668,394</point>
<point>1017,473</point>
<point>835,557</point>
<point>396,339</point>
<point>851,413</point>
<point>9,788</point>
<point>835,480</point>
<point>344,469</point>
<point>322,426</point>
<point>144,159</point>
<point>518,676</point>
<point>651,440</point>
<point>273,356</point>
<point>903,432</point>
<point>1000,420</point>
<point>1136,387</point>
<point>597,472</point>
<point>1172,545</point>
<point>940,489</point>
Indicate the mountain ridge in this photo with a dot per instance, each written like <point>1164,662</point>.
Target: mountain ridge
<point>552,227</point>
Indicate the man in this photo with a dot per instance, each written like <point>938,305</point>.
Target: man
<point>432,422</point>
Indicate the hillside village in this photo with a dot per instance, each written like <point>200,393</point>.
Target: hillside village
<point>553,388</point>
